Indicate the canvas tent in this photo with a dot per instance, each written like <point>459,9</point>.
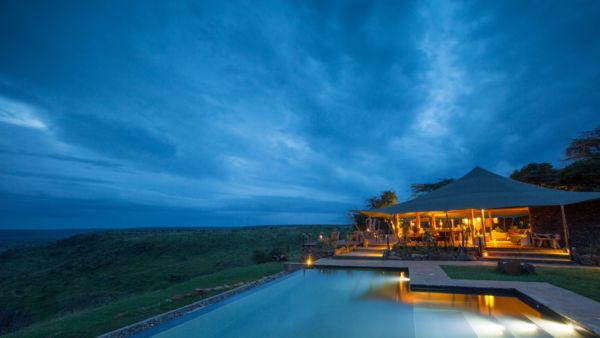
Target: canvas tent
<point>478,200</point>
<point>481,189</point>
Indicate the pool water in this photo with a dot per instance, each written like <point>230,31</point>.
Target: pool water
<point>361,303</point>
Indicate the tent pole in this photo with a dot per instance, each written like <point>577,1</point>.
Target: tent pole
<point>483,227</point>
<point>451,230</point>
<point>565,229</point>
<point>472,227</point>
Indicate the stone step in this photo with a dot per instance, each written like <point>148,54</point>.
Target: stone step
<point>548,260</point>
<point>360,255</point>
<point>369,249</point>
<point>526,254</point>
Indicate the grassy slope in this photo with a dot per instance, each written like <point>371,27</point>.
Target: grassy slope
<point>90,272</point>
<point>95,321</point>
<point>585,282</point>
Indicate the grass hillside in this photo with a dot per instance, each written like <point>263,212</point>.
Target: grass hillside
<point>92,283</point>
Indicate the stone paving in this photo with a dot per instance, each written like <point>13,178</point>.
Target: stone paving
<point>570,305</point>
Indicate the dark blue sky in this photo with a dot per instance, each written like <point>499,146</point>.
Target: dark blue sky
<point>171,113</point>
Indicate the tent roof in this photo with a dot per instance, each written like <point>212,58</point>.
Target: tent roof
<point>481,189</point>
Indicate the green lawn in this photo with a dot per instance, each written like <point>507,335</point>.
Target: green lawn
<point>585,282</point>
<point>91,283</point>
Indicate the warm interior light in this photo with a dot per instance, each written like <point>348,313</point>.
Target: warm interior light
<point>485,254</point>
<point>495,220</point>
<point>465,221</point>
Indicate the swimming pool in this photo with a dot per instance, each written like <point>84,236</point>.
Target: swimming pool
<point>362,303</point>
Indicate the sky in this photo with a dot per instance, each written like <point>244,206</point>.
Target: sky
<point>202,113</point>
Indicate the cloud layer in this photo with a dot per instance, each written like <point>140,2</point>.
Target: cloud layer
<point>210,113</point>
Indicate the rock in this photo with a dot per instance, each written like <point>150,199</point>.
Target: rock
<point>500,267</point>
<point>510,267</point>
<point>586,260</point>
<point>463,257</point>
<point>433,257</point>
<point>529,268</point>
<point>447,257</point>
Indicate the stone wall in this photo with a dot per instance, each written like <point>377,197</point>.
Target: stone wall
<point>546,220</point>
<point>583,221</point>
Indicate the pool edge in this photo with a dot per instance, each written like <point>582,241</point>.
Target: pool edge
<point>162,318</point>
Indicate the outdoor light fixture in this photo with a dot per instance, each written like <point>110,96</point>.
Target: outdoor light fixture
<point>309,261</point>
<point>495,220</point>
<point>465,221</point>
<point>485,254</point>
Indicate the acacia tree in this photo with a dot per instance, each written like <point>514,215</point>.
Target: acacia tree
<point>585,147</point>
<point>542,174</point>
<point>419,189</point>
<point>386,199</point>
<point>582,173</point>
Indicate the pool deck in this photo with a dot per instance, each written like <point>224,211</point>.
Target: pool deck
<point>575,307</point>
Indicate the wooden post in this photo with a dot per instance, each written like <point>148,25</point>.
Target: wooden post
<point>418,221</point>
<point>483,226</point>
<point>451,230</point>
<point>566,231</point>
<point>473,226</point>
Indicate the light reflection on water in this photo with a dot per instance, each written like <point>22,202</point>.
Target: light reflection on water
<point>363,303</point>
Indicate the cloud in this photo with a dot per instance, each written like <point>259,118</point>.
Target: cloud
<point>20,114</point>
<point>239,113</point>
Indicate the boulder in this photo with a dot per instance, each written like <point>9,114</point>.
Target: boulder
<point>418,257</point>
<point>529,268</point>
<point>586,260</point>
<point>514,267</point>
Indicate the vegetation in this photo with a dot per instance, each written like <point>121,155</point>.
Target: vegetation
<point>91,283</point>
<point>587,280</point>
<point>386,199</point>
<point>582,173</point>
<point>419,189</point>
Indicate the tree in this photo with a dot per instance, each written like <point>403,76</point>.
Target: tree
<point>537,173</point>
<point>586,147</point>
<point>386,199</point>
<point>419,189</point>
<point>582,175</point>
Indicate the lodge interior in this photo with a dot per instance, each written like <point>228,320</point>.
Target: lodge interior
<point>502,228</point>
